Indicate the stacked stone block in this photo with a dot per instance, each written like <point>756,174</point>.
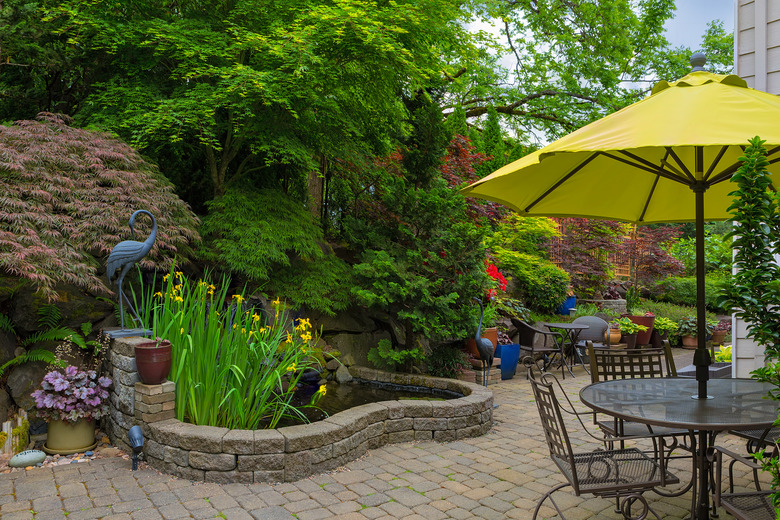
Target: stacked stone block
<point>154,403</point>
<point>121,366</point>
<point>295,452</point>
<point>285,454</point>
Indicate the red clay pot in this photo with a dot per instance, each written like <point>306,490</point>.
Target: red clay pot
<point>153,361</point>
<point>490,333</point>
<point>643,338</point>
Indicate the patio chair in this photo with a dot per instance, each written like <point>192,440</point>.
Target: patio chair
<point>640,363</point>
<point>750,505</point>
<point>595,333</point>
<point>552,344</point>
<point>623,474</point>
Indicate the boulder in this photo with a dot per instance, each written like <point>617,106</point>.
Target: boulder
<point>343,375</point>
<point>357,345</point>
<point>352,321</point>
<point>5,405</point>
<point>75,305</point>
<point>23,380</point>
<point>7,346</point>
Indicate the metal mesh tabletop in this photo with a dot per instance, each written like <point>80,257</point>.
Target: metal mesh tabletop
<point>736,403</point>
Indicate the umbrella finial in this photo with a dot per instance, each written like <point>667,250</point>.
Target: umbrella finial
<point>698,59</point>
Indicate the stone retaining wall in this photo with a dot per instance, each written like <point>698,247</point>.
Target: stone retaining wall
<point>294,452</point>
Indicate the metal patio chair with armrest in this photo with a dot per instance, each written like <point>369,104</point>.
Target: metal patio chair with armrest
<point>750,505</point>
<point>623,474</point>
<point>640,363</point>
<point>552,344</point>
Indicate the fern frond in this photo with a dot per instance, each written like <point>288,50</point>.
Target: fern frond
<point>32,356</point>
<point>86,328</point>
<point>6,325</point>
<point>56,334</point>
<point>49,316</point>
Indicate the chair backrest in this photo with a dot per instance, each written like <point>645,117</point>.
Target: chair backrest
<point>552,422</point>
<point>526,332</point>
<point>630,363</point>
<point>595,331</point>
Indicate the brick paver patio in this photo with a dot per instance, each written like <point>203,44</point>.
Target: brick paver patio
<point>499,475</point>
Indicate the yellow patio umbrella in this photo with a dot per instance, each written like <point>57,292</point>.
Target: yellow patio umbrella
<point>666,158</point>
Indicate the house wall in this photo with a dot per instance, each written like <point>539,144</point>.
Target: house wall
<point>757,60</point>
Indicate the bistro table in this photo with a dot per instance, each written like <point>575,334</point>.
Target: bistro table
<point>571,332</point>
<point>735,404</point>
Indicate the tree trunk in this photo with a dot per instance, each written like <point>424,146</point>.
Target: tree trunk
<point>316,188</point>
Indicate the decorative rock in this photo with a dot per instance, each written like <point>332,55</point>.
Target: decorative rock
<point>343,375</point>
<point>27,458</point>
<point>88,453</point>
<point>332,365</point>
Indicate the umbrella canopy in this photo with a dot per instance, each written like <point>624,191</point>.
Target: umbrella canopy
<point>667,158</point>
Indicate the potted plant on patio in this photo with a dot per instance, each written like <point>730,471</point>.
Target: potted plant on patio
<point>688,329</point>
<point>665,326</point>
<point>72,400</point>
<point>720,331</point>
<point>614,333</point>
<point>629,329</point>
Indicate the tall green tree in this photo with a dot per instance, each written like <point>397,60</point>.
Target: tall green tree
<point>571,63</point>
<point>264,92</point>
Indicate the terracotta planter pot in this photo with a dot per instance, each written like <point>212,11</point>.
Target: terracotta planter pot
<point>70,437</point>
<point>718,336</point>
<point>614,336</point>
<point>490,333</point>
<point>690,342</point>
<point>643,338</point>
<point>153,362</point>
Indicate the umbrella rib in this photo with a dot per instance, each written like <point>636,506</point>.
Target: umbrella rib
<point>715,162</point>
<point>649,196</point>
<point>645,165</point>
<point>564,179</point>
<point>681,164</point>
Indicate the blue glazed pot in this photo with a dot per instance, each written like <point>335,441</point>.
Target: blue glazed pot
<point>566,306</point>
<point>510,355</point>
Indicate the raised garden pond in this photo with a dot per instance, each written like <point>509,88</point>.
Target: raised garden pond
<point>288,453</point>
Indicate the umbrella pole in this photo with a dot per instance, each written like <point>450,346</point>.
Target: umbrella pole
<point>701,358</point>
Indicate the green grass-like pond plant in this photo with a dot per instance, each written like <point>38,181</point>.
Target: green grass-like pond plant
<point>232,366</point>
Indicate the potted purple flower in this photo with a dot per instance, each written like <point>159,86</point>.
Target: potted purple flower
<point>72,401</point>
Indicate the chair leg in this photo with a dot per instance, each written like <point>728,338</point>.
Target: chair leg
<point>628,501</point>
<point>549,495</point>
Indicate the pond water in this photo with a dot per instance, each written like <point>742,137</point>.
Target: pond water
<point>340,397</point>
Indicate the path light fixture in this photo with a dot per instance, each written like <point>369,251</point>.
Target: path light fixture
<point>136,442</point>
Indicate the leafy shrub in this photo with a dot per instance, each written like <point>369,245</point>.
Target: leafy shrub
<point>682,290</point>
<point>447,360</point>
<point>269,237</point>
<point>717,253</point>
<point>538,282</point>
<point>420,258</point>
<point>385,357</point>
<point>672,311</point>
<point>69,194</point>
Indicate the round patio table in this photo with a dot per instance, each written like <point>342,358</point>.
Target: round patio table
<point>736,404</point>
<point>571,332</point>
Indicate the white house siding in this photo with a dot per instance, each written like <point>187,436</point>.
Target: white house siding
<point>757,60</point>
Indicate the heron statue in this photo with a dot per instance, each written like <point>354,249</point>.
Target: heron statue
<point>484,346</point>
<point>124,256</point>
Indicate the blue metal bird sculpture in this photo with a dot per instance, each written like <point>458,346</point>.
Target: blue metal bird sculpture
<point>124,256</point>
<point>484,346</point>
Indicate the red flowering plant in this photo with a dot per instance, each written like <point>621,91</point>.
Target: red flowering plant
<point>492,271</point>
